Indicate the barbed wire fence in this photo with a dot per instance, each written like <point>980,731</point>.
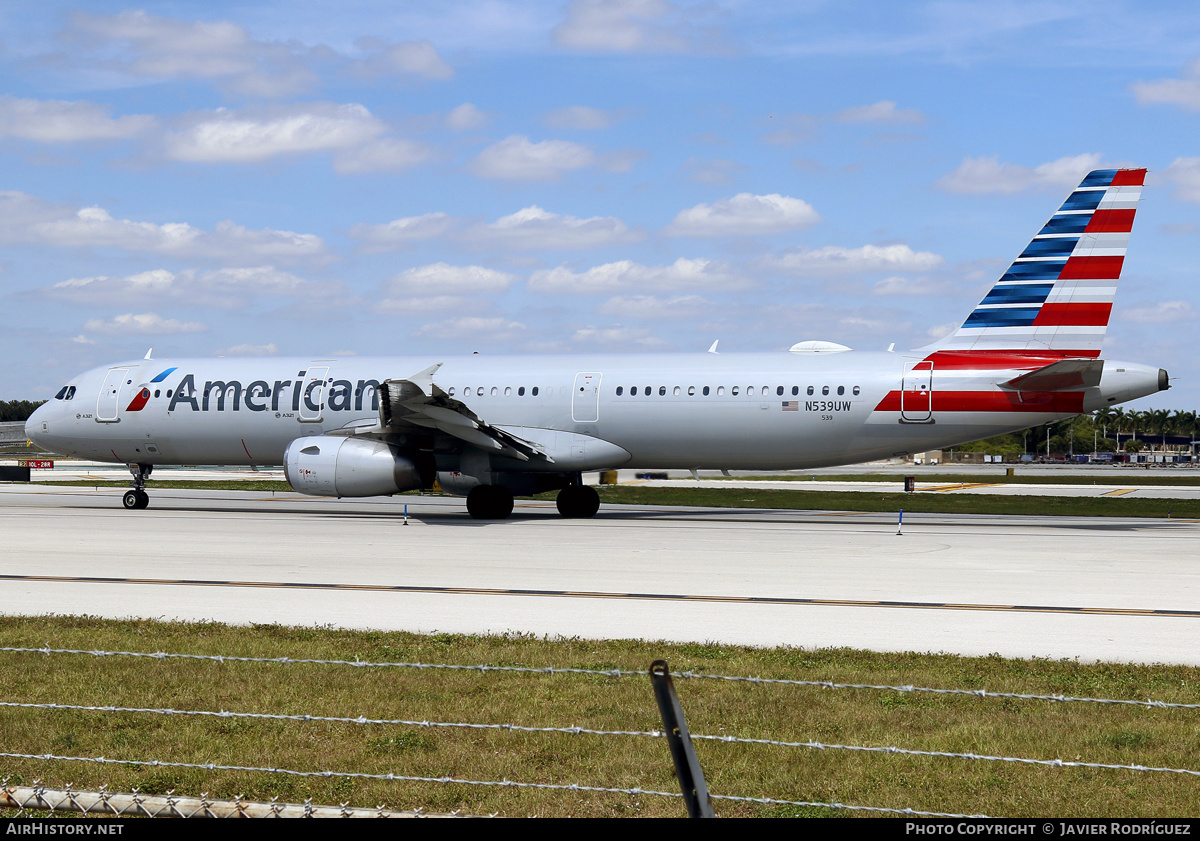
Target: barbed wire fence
<point>693,790</point>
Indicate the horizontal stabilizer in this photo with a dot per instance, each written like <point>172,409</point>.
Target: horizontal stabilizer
<point>1064,375</point>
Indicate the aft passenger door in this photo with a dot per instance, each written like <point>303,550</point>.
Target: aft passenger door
<point>585,398</point>
<point>108,405</point>
<point>916,394</point>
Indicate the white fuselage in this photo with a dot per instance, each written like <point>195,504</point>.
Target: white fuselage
<point>743,411</point>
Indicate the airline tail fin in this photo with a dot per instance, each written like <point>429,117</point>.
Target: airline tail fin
<point>1057,296</point>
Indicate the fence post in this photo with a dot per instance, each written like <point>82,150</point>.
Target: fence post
<point>687,767</point>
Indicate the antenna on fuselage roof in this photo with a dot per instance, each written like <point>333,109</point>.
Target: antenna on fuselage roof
<point>147,356</point>
<point>713,349</point>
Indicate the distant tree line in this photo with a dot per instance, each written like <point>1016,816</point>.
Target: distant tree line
<point>17,410</point>
<point>1104,431</point>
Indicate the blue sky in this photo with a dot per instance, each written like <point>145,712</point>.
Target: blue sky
<point>383,178</point>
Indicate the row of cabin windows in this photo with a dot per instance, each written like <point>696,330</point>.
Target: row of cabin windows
<point>751,390</point>
<point>495,391</point>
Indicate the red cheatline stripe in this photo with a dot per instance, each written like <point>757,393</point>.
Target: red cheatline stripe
<point>950,360</point>
<point>1073,315</point>
<point>1111,222</point>
<point>139,401</point>
<point>247,451</point>
<point>1129,178</point>
<point>1092,268</point>
<point>993,401</point>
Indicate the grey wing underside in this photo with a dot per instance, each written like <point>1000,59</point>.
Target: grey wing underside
<point>418,404</point>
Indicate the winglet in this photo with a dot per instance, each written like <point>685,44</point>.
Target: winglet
<point>424,379</point>
<point>713,349</point>
<point>147,356</point>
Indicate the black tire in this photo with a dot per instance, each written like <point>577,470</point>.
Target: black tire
<point>489,502</point>
<point>578,502</point>
<point>143,499</point>
<point>131,501</point>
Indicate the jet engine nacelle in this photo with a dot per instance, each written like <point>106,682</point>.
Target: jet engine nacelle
<point>337,466</point>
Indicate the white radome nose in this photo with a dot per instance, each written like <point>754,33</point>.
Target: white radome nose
<point>38,425</point>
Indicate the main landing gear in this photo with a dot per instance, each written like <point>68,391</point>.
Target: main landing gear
<point>578,502</point>
<point>489,502</point>
<point>495,502</point>
<point>137,499</point>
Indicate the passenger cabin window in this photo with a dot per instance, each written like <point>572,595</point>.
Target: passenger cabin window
<point>810,391</point>
<point>662,391</point>
<point>675,392</point>
<point>856,391</point>
<point>620,391</point>
<point>795,390</point>
<point>720,390</point>
<point>508,391</point>
<point>779,391</point>
<point>535,390</point>
<point>841,390</point>
<point>647,390</point>
<point>824,389</point>
<point>451,392</point>
<point>691,391</point>
<point>706,391</point>
<point>734,391</point>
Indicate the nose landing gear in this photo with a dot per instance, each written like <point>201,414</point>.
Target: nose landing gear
<point>137,499</point>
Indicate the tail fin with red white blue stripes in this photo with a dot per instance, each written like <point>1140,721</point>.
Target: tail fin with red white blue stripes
<point>1057,296</point>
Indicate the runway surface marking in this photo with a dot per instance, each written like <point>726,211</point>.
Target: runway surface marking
<point>1119,493</point>
<point>964,486</point>
<point>583,594</point>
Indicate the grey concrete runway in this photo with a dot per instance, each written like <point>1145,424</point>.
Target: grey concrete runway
<point>1063,587</point>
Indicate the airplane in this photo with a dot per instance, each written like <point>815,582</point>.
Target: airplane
<point>491,427</point>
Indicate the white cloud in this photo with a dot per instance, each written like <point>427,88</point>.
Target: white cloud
<point>533,228</point>
<point>166,47</point>
<point>618,338</point>
<point>26,218</point>
<point>385,154</point>
<point>1184,92</point>
<point>441,277</point>
<point>622,26</point>
<point>582,118</point>
<point>988,175</point>
<point>250,350</point>
<point>475,329</point>
<point>143,324</point>
<point>407,58</point>
<point>410,305</point>
<point>880,112</point>
<point>744,215</point>
<point>56,121</point>
<point>518,158</point>
<point>226,288</point>
<point>146,46</point>
<point>835,259</point>
<point>1162,312</point>
<point>465,117</point>
<point>651,308</point>
<point>899,285</point>
<point>225,136</point>
<point>399,233</point>
<point>1185,174</point>
<point>627,275</point>
<point>717,171</point>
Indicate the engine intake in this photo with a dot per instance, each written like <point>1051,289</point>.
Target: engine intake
<point>337,466</point>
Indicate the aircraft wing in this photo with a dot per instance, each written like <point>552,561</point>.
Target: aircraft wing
<point>417,403</point>
<point>1064,375</point>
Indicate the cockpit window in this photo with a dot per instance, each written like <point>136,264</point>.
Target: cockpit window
<point>71,393</point>
<point>62,393</point>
